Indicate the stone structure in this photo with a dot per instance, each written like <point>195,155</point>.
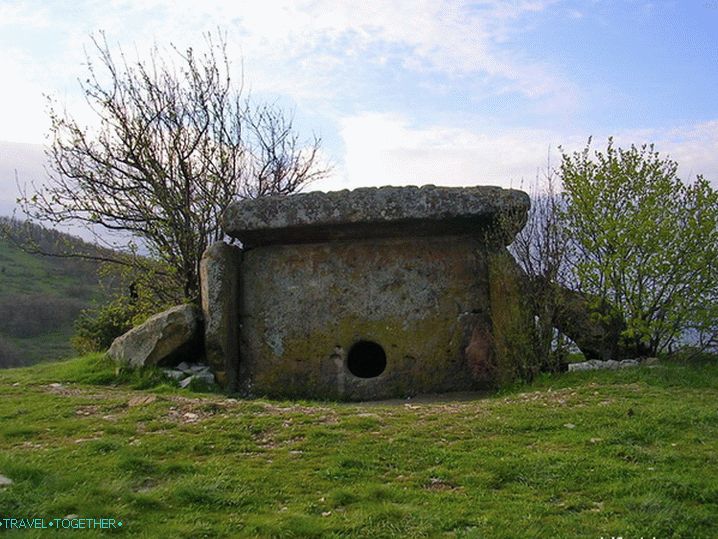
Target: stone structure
<point>363,294</point>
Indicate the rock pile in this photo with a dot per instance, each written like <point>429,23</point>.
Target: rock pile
<point>185,373</point>
<point>610,364</point>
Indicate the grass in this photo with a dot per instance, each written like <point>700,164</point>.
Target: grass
<point>24,275</point>
<point>631,453</point>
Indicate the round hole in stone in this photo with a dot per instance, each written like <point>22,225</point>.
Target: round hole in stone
<point>366,359</point>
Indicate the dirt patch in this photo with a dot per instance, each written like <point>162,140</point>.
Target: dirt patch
<point>141,400</point>
<point>87,410</point>
<point>440,485</point>
<point>561,397</point>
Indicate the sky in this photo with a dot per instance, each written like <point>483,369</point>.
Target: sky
<point>401,92</point>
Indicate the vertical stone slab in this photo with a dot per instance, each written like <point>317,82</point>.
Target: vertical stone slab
<point>219,281</point>
<point>401,307</point>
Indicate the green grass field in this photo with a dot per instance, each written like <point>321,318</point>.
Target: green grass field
<point>40,297</point>
<point>631,453</point>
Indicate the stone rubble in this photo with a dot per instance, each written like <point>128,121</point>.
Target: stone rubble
<point>610,364</point>
<point>185,373</point>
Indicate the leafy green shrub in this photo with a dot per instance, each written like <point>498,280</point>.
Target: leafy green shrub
<point>647,242</point>
<point>136,296</point>
<point>95,329</point>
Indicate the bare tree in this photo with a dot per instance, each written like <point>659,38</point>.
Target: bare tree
<point>175,142</point>
<point>542,249</point>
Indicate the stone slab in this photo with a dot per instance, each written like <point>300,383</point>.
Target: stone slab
<point>305,306</point>
<point>219,279</point>
<point>371,213</point>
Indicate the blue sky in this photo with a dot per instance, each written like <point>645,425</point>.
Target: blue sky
<point>406,92</point>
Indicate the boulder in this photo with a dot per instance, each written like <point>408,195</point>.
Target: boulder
<point>594,325</point>
<point>164,339</point>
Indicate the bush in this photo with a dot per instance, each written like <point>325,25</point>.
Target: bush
<point>136,295</point>
<point>95,329</point>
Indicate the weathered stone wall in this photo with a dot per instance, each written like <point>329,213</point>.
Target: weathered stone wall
<point>303,306</point>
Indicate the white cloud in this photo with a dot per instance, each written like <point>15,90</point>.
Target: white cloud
<point>385,149</point>
<point>21,14</point>
<point>455,37</point>
<point>693,147</point>
<point>22,113</point>
<point>315,52</point>
<point>318,52</point>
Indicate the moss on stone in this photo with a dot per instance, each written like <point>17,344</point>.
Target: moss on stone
<point>511,318</point>
<point>419,359</point>
<point>303,306</point>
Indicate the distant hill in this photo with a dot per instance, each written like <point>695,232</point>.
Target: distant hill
<point>41,296</point>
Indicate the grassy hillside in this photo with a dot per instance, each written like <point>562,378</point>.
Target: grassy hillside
<point>40,297</point>
<point>631,453</point>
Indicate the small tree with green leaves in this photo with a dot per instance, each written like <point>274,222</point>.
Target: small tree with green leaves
<point>647,243</point>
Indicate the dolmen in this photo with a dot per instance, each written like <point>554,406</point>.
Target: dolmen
<point>367,294</point>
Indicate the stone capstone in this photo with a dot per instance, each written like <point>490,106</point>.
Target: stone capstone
<point>373,213</point>
<point>163,339</point>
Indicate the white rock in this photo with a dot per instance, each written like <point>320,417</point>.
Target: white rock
<point>596,364</point>
<point>199,368</point>
<point>5,481</point>
<point>174,374</point>
<point>206,377</point>
<point>629,363</point>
